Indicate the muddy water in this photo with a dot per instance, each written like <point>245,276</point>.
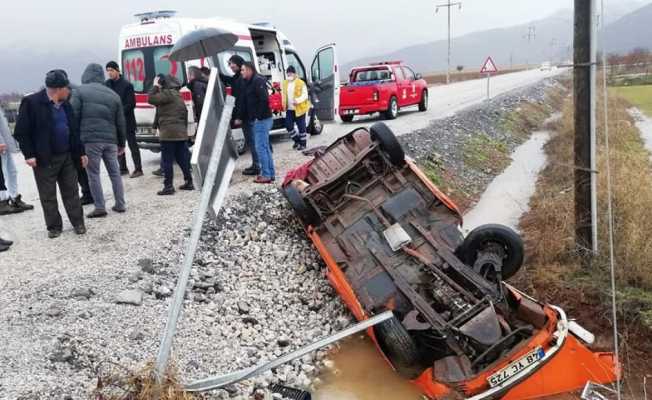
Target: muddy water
<point>507,197</point>
<point>360,373</point>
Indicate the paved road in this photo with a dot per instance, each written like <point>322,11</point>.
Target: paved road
<point>443,102</point>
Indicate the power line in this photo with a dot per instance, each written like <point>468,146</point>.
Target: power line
<point>448,6</point>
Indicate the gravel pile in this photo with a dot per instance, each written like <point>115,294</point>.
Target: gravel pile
<point>257,291</point>
<point>442,142</point>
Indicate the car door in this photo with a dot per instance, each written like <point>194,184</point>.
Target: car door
<point>325,77</point>
<point>401,87</point>
<point>411,84</point>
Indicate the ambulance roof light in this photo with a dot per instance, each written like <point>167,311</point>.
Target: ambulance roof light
<point>152,15</point>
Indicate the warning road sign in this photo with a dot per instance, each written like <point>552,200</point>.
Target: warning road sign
<point>489,67</point>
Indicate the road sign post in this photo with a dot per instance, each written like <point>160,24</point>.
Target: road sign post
<point>488,68</point>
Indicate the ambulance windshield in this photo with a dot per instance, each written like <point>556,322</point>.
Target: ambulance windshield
<point>140,66</point>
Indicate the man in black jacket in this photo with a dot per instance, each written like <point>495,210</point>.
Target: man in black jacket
<point>258,115</point>
<point>125,90</point>
<point>49,139</point>
<point>198,84</point>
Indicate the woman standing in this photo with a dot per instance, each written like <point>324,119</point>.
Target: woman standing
<point>172,122</point>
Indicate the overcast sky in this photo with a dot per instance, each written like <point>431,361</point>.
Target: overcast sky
<point>73,24</point>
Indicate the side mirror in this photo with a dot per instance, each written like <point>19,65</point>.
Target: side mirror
<point>418,76</point>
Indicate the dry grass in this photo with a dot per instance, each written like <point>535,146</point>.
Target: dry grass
<point>117,383</point>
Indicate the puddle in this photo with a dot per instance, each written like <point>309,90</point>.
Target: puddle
<point>360,373</point>
<point>507,196</point>
<point>644,125</point>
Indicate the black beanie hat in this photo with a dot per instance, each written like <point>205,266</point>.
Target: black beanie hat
<point>57,78</point>
<point>113,65</point>
<point>237,60</point>
<point>291,70</point>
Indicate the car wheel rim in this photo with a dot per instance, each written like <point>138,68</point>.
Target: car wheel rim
<point>394,108</point>
<point>425,100</point>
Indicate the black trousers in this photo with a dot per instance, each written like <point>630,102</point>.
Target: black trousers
<point>2,181</point>
<point>61,171</point>
<point>135,154</point>
<point>171,151</point>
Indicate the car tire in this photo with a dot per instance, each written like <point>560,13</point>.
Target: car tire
<point>423,104</point>
<point>399,348</point>
<point>381,133</point>
<point>347,118</point>
<point>241,146</point>
<point>482,237</point>
<point>306,213</point>
<point>392,109</point>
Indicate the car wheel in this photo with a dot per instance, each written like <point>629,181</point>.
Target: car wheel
<point>399,347</point>
<point>347,118</point>
<point>392,109</point>
<point>306,213</point>
<point>423,105</point>
<point>241,146</point>
<point>488,245</point>
<point>388,142</point>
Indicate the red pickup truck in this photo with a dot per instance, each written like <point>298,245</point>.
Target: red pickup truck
<point>384,87</point>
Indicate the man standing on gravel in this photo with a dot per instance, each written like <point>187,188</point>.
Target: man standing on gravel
<point>125,90</point>
<point>49,139</point>
<point>103,130</point>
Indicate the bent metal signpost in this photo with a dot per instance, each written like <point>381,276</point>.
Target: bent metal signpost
<point>488,68</point>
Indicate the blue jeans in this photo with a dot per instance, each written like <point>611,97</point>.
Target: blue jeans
<point>261,130</point>
<point>171,151</point>
<point>107,152</point>
<point>11,176</point>
<point>251,143</point>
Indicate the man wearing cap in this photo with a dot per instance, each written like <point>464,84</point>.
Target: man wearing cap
<point>49,139</point>
<point>125,90</point>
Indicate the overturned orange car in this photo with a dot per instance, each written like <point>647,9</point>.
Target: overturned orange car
<point>392,241</point>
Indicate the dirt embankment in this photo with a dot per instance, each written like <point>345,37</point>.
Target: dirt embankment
<point>553,271</point>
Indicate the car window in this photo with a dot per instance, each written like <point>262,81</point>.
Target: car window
<point>133,68</point>
<point>294,61</point>
<point>323,65</point>
<point>399,74</point>
<point>163,64</point>
<point>409,74</point>
<point>224,56</point>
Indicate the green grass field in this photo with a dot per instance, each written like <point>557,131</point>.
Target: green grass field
<point>639,96</point>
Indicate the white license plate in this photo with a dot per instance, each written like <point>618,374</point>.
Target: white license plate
<point>350,112</point>
<point>514,368</point>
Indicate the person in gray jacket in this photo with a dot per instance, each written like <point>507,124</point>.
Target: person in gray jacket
<point>102,129</point>
<point>10,201</point>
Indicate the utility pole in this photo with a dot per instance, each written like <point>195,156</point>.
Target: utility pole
<point>448,6</point>
<point>531,35</point>
<point>585,58</point>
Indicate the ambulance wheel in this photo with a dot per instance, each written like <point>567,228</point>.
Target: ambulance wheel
<point>492,244</point>
<point>304,211</point>
<point>423,105</point>
<point>388,143</point>
<point>347,118</point>
<point>392,109</point>
<point>399,347</point>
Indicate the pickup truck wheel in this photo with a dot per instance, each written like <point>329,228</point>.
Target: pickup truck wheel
<point>392,110</point>
<point>347,118</point>
<point>399,347</point>
<point>304,211</point>
<point>423,105</point>
<point>388,143</point>
<point>488,244</point>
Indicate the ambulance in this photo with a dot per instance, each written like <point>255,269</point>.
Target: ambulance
<point>144,48</point>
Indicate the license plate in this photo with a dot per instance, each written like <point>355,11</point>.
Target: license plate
<point>350,112</point>
<point>514,368</point>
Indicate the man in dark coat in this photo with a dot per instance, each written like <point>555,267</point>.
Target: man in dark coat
<point>237,83</point>
<point>125,90</point>
<point>198,85</point>
<point>102,131</point>
<point>49,139</point>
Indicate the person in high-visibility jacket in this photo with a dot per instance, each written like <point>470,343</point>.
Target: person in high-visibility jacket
<point>296,105</point>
